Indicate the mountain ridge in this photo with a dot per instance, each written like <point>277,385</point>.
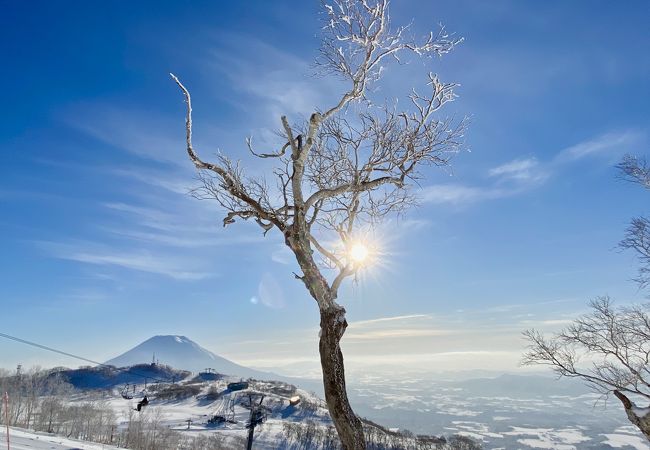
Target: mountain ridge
<point>183,353</point>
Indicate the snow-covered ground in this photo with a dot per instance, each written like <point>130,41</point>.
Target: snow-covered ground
<point>501,413</point>
<point>522,412</point>
<point>28,440</point>
<point>174,414</point>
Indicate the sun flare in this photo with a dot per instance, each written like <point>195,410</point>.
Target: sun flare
<point>359,253</point>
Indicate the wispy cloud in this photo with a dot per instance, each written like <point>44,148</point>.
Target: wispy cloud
<point>395,334</point>
<point>457,194</point>
<point>285,87</point>
<point>147,216</point>
<point>184,225</point>
<point>487,337</point>
<point>142,261</point>
<point>173,182</point>
<point>613,143</point>
<point>523,174</point>
<point>525,170</point>
<point>546,323</point>
<point>409,317</point>
<point>395,327</point>
<point>140,133</point>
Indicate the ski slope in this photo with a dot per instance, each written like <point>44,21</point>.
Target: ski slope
<point>28,440</point>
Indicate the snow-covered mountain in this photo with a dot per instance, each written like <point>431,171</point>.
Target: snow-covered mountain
<point>181,352</point>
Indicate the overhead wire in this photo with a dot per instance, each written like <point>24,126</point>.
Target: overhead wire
<point>70,355</point>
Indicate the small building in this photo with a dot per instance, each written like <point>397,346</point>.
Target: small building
<point>238,386</point>
<point>216,420</point>
<point>293,401</point>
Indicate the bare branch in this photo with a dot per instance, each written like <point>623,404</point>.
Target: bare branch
<point>614,341</point>
<point>357,38</point>
<point>342,275</point>
<point>635,169</point>
<point>352,169</point>
<point>249,144</point>
<point>330,256</point>
<point>229,177</point>
<point>637,238</point>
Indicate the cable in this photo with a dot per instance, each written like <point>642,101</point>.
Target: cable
<point>44,347</point>
<point>61,352</point>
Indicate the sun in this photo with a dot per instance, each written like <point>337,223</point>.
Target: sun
<point>359,253</point>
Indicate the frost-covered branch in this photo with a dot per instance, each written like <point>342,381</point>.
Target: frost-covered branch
<point>637,236</point>
<point>357,39</point>
<point>228,186</point>
<point>341,170</point>
<point>613,341</point>
<point>635,169</point>
<point>609,349</point>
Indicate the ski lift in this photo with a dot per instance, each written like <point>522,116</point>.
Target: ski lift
<point>130,394</point>
<point>125,392</point>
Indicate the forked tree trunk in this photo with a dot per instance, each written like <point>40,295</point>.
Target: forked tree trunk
<point>348,425</point>
<point>332,326</point>
<point>638,416</point>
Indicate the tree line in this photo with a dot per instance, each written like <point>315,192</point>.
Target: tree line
<point>39,400</point>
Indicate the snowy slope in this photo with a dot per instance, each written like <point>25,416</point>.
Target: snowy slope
<point>181,352</point>
<point>28,440</point>
<point>173,414</point>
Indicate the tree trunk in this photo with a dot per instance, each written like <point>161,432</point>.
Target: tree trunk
<point>638,416</point>
<point>348,425</point>
<point>332,327</point>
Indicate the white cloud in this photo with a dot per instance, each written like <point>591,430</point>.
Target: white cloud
<point>395,327</point>
<point>484,338</point>
<point>547,323</point>
<point>410,317</point>
<point>142,261</point>
<point>396,334</point>
<point>459,194</point>
<point>515,168</point>
<point>150,217</point>
<point>168,180</point>
<point>186,225</point>
<point>524,171</point>
<point>284,87</point>
<point>615,143</point>
<point>140,133</point>
<point>522,174</point>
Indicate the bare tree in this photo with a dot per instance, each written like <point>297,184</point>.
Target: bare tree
<point>609,349</point>
<point>348,166</point>
<point>637,235</point>
<point>615,342</point>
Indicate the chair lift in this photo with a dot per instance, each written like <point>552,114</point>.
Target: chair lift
<point>125,392</point>
<point>126,395</point>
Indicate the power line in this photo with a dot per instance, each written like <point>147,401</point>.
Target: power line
<point>50,349</point>
<point>81,358</point>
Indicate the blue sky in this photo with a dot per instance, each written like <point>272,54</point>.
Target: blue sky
<point>103,248</point>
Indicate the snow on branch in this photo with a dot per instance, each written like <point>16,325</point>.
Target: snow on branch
<point>357,39</point>
<point>609,348</point>
<point>635,169</point>
<point>241,198</point>
<point>342,169</point>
